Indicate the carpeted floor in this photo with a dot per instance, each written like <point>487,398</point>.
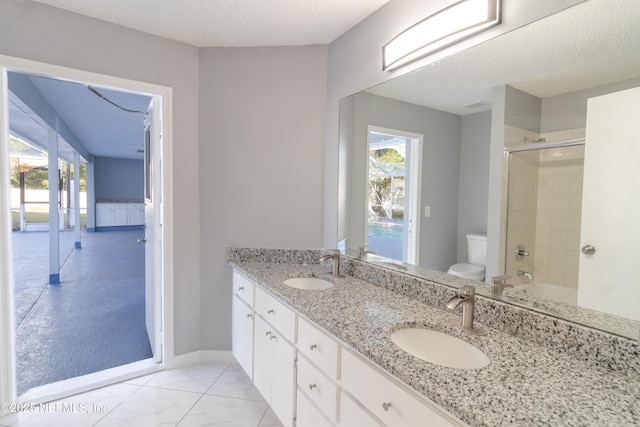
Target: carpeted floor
<point>93,320</point>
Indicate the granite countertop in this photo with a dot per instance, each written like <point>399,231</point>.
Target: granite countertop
<point>525,384</point>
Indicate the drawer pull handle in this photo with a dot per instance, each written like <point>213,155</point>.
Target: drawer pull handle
<point>313,346</point>
<point>249,315</point>
<point>240,288</point>
<point>386,406</point>
<point>271,311</point>
<point>312,386</point>
<point>267,333</point>
<point>273,336</point>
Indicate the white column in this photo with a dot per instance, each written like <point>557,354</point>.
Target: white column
<point>76,198</point>
<point>91,196</point>
<point>54,214</point>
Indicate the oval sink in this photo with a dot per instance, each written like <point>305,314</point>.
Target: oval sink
<point>309,283</point>
<point>439,348</point>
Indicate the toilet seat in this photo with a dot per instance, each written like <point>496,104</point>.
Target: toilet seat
<point>466,270</point>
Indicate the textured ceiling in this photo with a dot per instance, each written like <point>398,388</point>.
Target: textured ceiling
<point>230,23</point>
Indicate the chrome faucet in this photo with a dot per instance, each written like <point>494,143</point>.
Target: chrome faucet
<point>335,256</point>
<point>498,284</point>
<point>362,251</point>
<point>466,297</point>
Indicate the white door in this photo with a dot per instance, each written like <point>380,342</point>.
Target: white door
<point>611,206</point>
<point>153,226</point>
<point>394,180</point>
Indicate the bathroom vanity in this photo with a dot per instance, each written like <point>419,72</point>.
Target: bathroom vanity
<point>326,357</point>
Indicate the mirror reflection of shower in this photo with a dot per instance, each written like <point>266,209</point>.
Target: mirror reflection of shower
<point>543,216</point>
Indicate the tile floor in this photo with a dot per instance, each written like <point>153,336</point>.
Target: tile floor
<point>213,394</point>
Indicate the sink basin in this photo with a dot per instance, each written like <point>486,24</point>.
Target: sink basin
<point>309,283</point>
<point>439,348</point>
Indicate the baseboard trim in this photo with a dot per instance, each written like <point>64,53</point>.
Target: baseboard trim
<point>200,356</point>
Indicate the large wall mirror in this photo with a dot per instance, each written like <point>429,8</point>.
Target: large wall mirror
<point>559,99</point>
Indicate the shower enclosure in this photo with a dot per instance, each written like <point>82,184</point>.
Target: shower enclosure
<point>543,216</point>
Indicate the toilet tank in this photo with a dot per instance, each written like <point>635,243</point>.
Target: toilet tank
<point>477,249</point>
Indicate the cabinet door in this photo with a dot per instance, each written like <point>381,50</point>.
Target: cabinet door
<point>273,370</point>
<point>308,416</point>
<point>262,356</point>
<point>135,214</point>
<point>242,335</point>
<point>103,215</point>
<point>283,382</point>
<point>119,214</point>
<point>318,388</point>
<point>351,414</point>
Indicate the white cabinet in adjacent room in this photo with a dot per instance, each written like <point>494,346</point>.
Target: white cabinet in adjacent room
<point>135,213</point>
<point>119,214</point>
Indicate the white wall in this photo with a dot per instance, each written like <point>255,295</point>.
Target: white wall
<point>261,162</point>
<point>41,33</point>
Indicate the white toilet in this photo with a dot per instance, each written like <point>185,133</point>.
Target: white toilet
<point>477,255</point>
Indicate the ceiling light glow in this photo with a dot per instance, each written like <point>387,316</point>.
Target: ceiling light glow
<point>452,24</point>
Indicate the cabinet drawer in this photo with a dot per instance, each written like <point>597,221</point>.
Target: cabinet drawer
<point>318,388</point>
<point>351,414</point>
<point>318,347</point>
<point>307,415</point>
<point>243,287</point>
<point>276,313</point>
<point>386,400</point>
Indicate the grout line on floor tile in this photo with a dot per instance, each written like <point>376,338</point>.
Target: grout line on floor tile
<point>190,409</point>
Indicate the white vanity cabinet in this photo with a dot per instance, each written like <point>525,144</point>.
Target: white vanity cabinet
<point>274,355</point>
<point>242,322</point>
<point>309,378</point>
<point>391,404</point>
<point>317,375</point>
<point>352,414</point>
<point>308,416</point>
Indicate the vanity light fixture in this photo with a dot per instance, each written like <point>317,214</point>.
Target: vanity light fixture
<point>451,24</point>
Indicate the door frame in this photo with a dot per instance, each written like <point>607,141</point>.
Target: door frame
<point>413,162</point>
<point>8,389</point>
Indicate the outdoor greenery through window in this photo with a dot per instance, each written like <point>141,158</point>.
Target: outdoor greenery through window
<point>32,164</point>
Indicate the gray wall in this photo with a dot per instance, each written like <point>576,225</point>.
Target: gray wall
<point>474,178</point>
<point>261,162</point>
<point>118,180</point>
<point>569,111</point>
<point>440,170</point>
<point>41,33</point>
<point>523,110</point>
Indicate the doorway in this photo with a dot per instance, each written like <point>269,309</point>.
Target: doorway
<point>93,239</point>
<point>393,196</point>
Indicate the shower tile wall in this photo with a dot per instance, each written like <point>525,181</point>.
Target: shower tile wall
<point>559,204</point>
<point>545,202</point>
<point>522,216</point>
